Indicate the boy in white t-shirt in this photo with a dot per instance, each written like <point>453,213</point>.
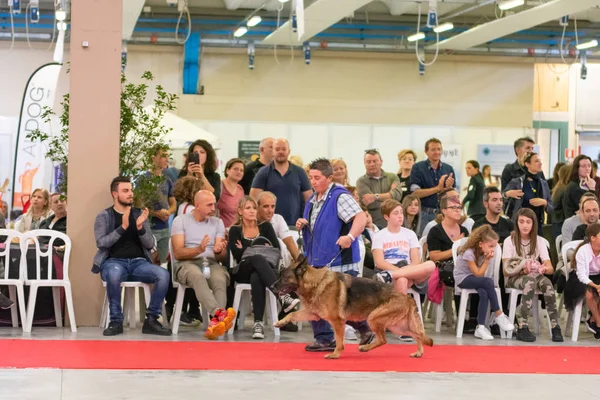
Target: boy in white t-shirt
<point>396,252</point>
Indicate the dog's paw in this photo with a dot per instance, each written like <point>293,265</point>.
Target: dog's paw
<point>280,324</point>
<point>363,348</point>
<point>416,354</point>
<point>332,356</point>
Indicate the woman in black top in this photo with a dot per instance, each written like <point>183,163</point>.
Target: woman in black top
<point>406,159</point>
<point>206,169</point>
<point>475,189</point>
<point>255,270</point>
<point>580,182</point>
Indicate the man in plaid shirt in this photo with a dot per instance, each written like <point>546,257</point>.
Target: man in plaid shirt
<point>331,224</point>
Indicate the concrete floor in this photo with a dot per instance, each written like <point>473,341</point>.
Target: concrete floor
<point>54,384</point>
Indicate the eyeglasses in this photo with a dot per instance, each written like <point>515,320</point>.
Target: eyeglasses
<point>455,208</point>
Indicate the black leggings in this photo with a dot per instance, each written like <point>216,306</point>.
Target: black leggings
<point>256,271</point>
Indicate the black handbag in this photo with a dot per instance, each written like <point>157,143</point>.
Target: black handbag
<point>263,247</point>
<point>446,270</point>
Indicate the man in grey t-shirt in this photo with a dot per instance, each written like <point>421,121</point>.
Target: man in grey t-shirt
<point>198,242</point>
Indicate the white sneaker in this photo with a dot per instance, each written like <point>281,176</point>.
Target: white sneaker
<point>349,333</point>
<point>504,323</point>
<point>482,333</point>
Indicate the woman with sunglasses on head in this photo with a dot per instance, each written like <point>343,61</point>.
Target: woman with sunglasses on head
<point>529,191</point>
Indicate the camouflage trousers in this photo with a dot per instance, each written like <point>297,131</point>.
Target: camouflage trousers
<point>529,285</point>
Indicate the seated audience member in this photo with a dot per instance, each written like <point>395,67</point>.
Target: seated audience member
<point>340,172</point>
<point>231,192</point>
<point>58,220</point>
<point>493,203</point>
<point>464,220</point>
<point>525,244</point>
<point>266,213</point>
<point>580,182</point>
<point>198,241</point>
<point>474,269</point>
<point>530,191</point>
<point>590,211</point>
<point>396,253</point>
<point>38,211</point>
<point>584,278</point>
<point>255,269</point>
<point>570,224</point>
<point>185,191</point>
<point>411,205</point>
<point>124,241</point>
<point>5,302</point>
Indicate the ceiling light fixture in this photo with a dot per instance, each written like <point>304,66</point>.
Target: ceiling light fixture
<point>587,45</point>
<point>415,37</point>
<point>241,31</point>
<point>254,21</point>
<point>283,1</point>
<point>443,27</point>
<point>508,4</point>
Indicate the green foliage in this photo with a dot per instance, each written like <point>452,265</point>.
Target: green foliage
<point>141,133</point>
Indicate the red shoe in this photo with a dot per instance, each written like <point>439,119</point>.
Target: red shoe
<point>220,323</point>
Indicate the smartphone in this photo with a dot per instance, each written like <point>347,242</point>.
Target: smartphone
<point>194,158</point>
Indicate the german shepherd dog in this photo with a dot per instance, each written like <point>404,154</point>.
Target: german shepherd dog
<point>337,298</point>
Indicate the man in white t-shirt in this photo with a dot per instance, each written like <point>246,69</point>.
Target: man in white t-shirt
<point>396,251</point>
<point>198,242</point>
<point>266,212</point>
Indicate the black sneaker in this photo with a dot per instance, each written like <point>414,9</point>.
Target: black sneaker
<point>470,326</point>
<point>288,303</point>
<point>5,302</point>
<point>320,347</point>
<point>495,330</point>
<point>524,335</point>
<point>153,327</point>
<point>597,336</point>
<point>591,326</point>
<point>114,328</point>
<point>384,277</point>
<point>289,327</point>
<point>557,334</point>
<point>367,338</point>
<point>185,320</point>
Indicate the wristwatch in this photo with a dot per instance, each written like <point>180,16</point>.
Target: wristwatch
<point>377,196</point>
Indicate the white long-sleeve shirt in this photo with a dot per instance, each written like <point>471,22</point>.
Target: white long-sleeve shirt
<point>585,257</point>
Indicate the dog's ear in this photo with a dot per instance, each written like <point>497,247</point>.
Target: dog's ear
<point>301,264</point>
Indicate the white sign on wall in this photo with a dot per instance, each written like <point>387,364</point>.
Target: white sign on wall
<point>452,154</point>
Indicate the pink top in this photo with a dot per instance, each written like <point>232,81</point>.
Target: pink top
<point>228,204</point>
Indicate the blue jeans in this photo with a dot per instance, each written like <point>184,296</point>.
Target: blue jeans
<point>487,295</point>
<point>117,270</point>
<point>322,330</point>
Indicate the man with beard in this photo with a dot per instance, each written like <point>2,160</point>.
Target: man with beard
<point>251,169</point>
<point>590,211</point>
<point>124,241</point>
<point>492,201</point>
<point>285,180</point>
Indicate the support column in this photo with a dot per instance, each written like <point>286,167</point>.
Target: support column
<point>95,87</point>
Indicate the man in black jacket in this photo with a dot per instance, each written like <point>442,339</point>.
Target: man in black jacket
<point>522,146</point>
<point>58,220</point>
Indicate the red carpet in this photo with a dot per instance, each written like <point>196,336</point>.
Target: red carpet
<point>100,354</point>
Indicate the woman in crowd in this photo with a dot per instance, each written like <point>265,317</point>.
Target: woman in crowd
<point>255,269</point>
<point>554,180</point>
<point>184,192</point>
<point>296,160</point>
<point>443,235</point>
<point>558,192</point>
<point>464,220</point>
<point>524,243</point>
<point>206,168</point>
<point>340,172</point>
<point>584,279</point>
<point>580,181</point>
<point>530,191</point>
<point>231,191</point>
<point>406,159</point>
<point>411,205</point>
<point>475,189</point>
<point>38,211</point>
<point>474,269</point>
<point>488,178</point>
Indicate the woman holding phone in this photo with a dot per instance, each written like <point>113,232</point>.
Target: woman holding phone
<point>201,162</point>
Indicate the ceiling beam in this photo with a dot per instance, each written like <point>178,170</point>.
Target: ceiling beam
<point>523,20</point>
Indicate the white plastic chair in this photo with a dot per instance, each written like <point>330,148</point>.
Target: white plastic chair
<point>415,294</point>
<point>535,309</point>
<point>39,281</point>
<point>129,314</point>
<point>465,293</point>
<point>241,301</point>
<point>574,316</point>
<point>560,265</point>
<point>15,286</point>
<point>362,251</point>
<point>181,288</point>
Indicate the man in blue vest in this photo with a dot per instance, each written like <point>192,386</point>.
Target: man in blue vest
<point>332,222</point>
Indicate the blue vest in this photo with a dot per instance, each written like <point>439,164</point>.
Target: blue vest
<point>320,246</point>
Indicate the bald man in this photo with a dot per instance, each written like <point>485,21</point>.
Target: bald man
<point>198,242</point>
<point>266,156</point>
<point>285,180</point>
